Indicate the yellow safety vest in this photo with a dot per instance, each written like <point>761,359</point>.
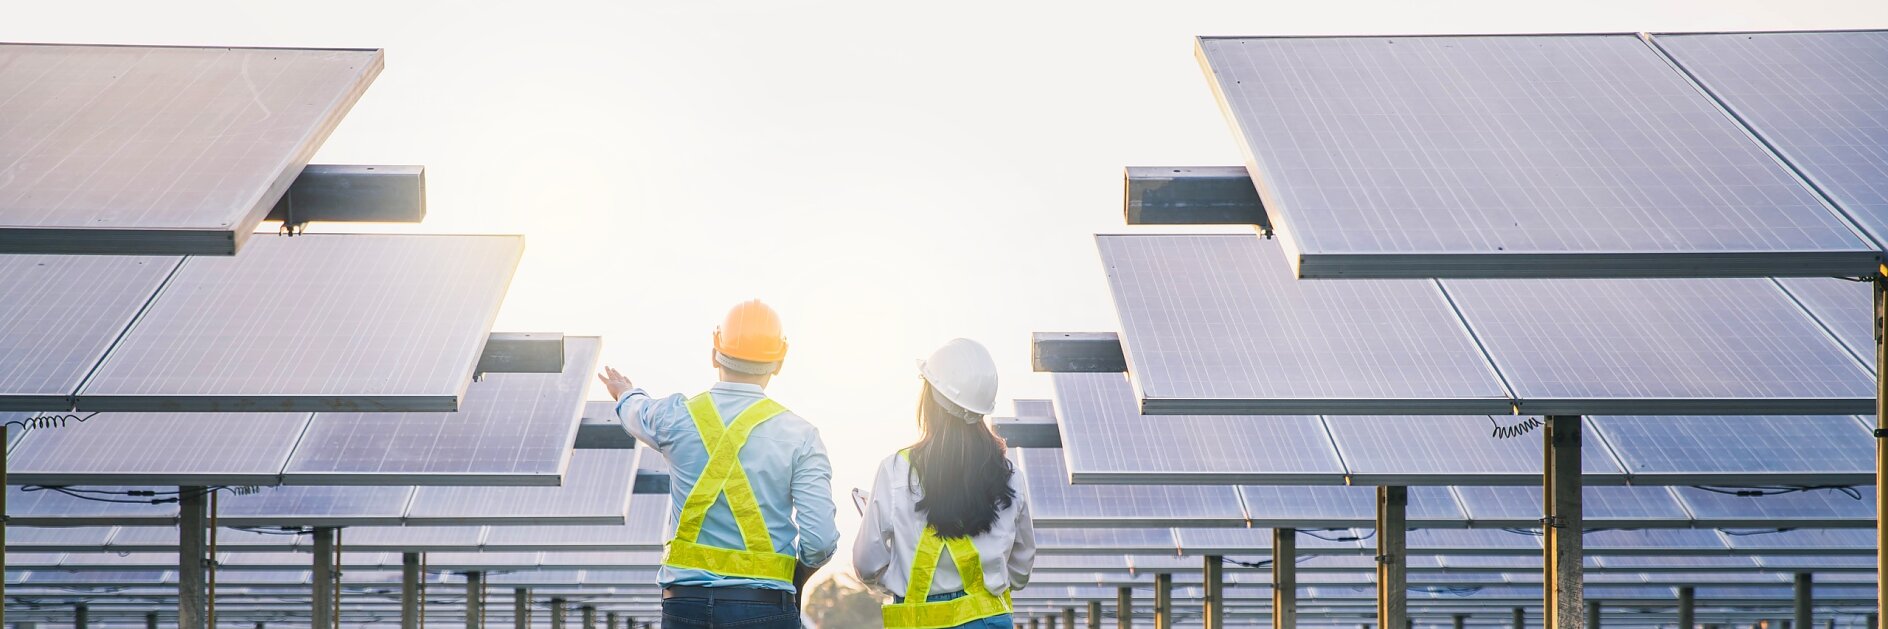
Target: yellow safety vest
<point>976,604</point>
<point>723,476</point>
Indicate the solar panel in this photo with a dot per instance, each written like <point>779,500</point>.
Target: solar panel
<point>316,506</point>
<point>313,323</point>
<point>182,449</point>
<point>1105,439</point>
<point>163,539</point>
<point>415,538</point>
<point>1106,541</point>
<point>59,314</point>
<point>29,538</point>
<point>1669,347</point>
<point>1523,156</point>
<point>1053,502</point>
<point>144,149</point>
<point>512,428</point>
<point>1471,541</point>
<point>1809,508</point>
<point>1845,307</point>
<point>46,507</point>
<point>1816,98</point>
<point>1447,450</point>
<point>1601,506</point>
<point>1802,541</point>
<point>595,491</point>
<point>648,515</point>
<point>1217,324</point>
<point>1810,450</point>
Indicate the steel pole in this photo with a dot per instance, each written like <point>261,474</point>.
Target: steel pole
<point>1124,608</point>
<point>1284,578</point>
<point>1520,618</point>
<point>1805,595</point>
<point>1214,614</point>
<point>589,617</point>
<point>191,526</point>
<point>1459,621</point>
<point>1163,600</point>
<point>150,620</point>
<point>521,608</point>
<point>323,602</point>
<point>1881,463</point>
<point>1563,526</point>
<point>409,591</point>
<point>1593,613</point>
<point>1687,608</point>
<point>1094,615</point>
<point>81,616</point>
<point>1392,550</point>
<point>474,600</point>
<point>609,620</point>
<point>1068,618</point>
<point>557,613</point>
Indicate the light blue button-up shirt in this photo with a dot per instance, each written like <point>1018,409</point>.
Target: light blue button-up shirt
<point>785,462</point>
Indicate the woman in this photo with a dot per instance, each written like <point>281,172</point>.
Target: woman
<point>947,507</point>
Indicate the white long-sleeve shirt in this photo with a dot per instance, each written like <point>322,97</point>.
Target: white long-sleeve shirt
<point>888,538</point>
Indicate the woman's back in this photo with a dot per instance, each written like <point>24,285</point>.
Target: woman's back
<point>888,539</point>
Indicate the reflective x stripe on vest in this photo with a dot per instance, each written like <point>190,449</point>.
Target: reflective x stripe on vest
<point>723,476</point>
<point>977,602</point>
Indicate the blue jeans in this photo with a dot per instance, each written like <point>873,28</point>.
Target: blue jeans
<point>994,622</point>
<point>691,612</point>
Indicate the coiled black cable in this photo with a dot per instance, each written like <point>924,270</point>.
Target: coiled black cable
<point>1523,427</point>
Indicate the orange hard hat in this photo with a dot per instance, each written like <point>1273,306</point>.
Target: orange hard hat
<point>752,332</point>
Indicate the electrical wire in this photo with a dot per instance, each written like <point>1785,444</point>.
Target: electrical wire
<point>1760,491</point>
<point>1338,538</point>
<point>1526,425</point>
<point>1747,532</point>
<point>43,420</point>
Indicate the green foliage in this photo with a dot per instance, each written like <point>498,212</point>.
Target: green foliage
<point>841,602</point>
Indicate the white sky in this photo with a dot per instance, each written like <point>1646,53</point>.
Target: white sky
<point>889,175</point>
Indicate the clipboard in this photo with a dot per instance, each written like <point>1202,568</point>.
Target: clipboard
<point>859,499</point>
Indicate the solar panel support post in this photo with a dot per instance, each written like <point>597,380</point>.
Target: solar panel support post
<point>1124,608</point>
<point>589,617</point>
<point>81,616</point>
<point>1562,564</point>
<point>1163,600</point>
<point>474,600</point>
<point>1094,615</point>
<point>1592,613</point>
<point>409,591</point>
<point>1687,608</point>
<point>1049,622</point>
<point>1284,578</point>
<point>1392,556</point>
<point>1804,595</point>
<point>192,524</point>
<point>521,608</point>
<point>1459,621</point>
<point>1520,618</point>
<point>557,613</point>
<point>1881,447</point>
<point>1213,613</point>
<point>610,621</point>
<point>4,440</point>
<point>150,620</point>
<point>323,602</point>
<point>1068,618</point>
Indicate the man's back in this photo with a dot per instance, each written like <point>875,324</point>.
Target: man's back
<point>783,461</point>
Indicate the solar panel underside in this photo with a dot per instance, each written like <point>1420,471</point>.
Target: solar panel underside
<point>1217,324</point>
<point>643,530</point>
<point>46,507</point>
<point>1107,541</point>
<point>596,490</point>
<point>58,315</point>
<point>1819,99</point>
<point>1827,508</point>
<point>1448,450</point>
<point>1602,506</point>
<point>170,150</point>
<point>317,506</point>
<point>1843,306</point>
<point>415,539</point>
<point>513,428</point>
<point>1658,346</point>
<point>181,449</point>
<point>1053,502</point>
<point>1105,439</point>
<point>1763,450</point>
<point>1520,156</point>
<point>343,323</point>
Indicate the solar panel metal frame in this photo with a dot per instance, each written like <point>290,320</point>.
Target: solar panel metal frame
<point>245,215</point>
<point>582,354</point>
<point>144,433</point>
<point>72,314</point>
<point>1858,258</point>
<point>120,382</point>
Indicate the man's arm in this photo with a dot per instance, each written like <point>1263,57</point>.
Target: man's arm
<point>813,510</point>
<point>635,408</point>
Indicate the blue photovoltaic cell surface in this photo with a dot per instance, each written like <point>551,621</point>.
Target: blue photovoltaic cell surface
<point>1445,450</point>
<point>1499,147</point>
<point>1469,541</point>
<point>1052,498</point>
<point>1603,504</point>
<point>58,315</point>
<point>379,322</point>
<point>596,490</point>
<point>1832,541</point>
<point>1651,541</point>
<point>1819,506</point>
<point>1657,346</point>
<point>296,506</point>
<point>1819,99</point>
<point>1106,439</point>
<point>1817,449</point>
<point>1218,324</point>
<point>648,516</point>
<point>1846,308</point>
<point>1102,540</point>
<point>168,448</point>
<point>53,508</point>
<point>509,425</point>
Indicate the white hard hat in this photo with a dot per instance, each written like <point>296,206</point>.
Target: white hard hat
<point>963,373</point>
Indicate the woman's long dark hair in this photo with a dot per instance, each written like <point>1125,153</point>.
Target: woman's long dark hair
<point>963,472</point>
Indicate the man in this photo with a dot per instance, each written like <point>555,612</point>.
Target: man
<point>751,498</point>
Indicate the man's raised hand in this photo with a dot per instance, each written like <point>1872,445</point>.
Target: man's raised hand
<point>615,382</point>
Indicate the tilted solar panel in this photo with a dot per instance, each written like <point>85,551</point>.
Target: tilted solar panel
<point>183,449</point>
<point>316,506</point>
<point>1764,450</point>
<point>1843,306</point>
<point>1601,506</point>
<point>1656,346</point>
<point>1053,502</point>
<point>644,530</point>
<point>1105,439</point>
<point>314,323</point>
<point>512,428</point>
<point>1784,508</point>
<point>58,315</point>
<point>48,507</point>
<point>1107,541</point>
<point>1819,99</point>
<point>1449,450</point>
<point>1217,324</point>
<point>147,149</point>
<point>415,538</point>
<point>596,490</point>
<point>1511,155</point>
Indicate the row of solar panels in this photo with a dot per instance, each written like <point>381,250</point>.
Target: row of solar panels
<point>1680,155</point>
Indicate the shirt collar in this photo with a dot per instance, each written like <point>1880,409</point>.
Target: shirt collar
<point>740,388</point>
